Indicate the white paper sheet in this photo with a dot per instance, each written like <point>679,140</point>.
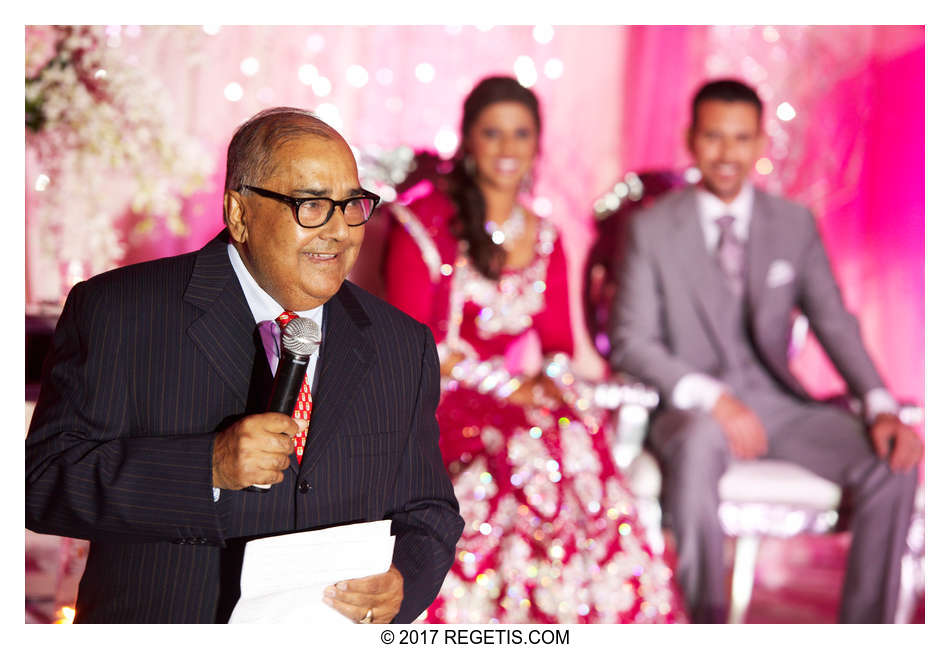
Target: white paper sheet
<point>283,577</point>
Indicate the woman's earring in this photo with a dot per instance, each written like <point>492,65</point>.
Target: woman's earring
<point>527,183</point>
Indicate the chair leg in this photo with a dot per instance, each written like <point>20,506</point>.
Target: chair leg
<point>743,576</point>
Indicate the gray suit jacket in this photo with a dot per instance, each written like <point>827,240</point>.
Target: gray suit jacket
<point>665,321</point>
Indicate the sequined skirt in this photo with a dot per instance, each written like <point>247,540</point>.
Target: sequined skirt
<point>551,534</point>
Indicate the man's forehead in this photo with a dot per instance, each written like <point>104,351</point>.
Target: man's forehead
<point>312,153</point>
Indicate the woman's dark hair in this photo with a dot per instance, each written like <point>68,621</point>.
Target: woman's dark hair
<point>469,224</point>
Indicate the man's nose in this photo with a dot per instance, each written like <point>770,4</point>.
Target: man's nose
<point>336,228</point>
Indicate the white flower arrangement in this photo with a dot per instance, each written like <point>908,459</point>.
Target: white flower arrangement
<point>99,132</point>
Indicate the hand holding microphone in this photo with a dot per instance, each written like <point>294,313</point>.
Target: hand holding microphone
<point>253,452</point>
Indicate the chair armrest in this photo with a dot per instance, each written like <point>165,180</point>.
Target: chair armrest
<point>632,401</point>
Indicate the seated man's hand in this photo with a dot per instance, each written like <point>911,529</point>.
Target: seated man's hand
<point>743,428</point>
<point>355,598</point>
<point>895,440</point>
<point>253,450</point>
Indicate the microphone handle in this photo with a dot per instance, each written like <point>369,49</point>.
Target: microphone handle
<point>291,371</point>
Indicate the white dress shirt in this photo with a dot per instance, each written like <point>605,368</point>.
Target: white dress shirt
<point>697,390</point>
<point>264,308</point>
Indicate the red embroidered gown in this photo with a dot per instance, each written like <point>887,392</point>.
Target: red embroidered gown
<point>550,528</point>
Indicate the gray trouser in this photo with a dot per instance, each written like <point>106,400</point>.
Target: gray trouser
<point>826,440</point>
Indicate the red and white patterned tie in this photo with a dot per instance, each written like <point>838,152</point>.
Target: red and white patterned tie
<point>304,405</point>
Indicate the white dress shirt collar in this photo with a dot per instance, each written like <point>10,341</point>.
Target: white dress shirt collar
<point>711,207</point>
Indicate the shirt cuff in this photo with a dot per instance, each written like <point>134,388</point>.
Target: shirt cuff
<point>879,401</point>
<point>215,493</point>
<point>696,391</point>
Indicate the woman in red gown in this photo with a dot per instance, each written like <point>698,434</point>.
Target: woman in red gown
<point>551,533</point>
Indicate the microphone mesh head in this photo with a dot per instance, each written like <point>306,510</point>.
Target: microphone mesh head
<point>301,336</point>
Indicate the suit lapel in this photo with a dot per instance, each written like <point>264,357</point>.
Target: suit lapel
<point>225,331</point>
<point>762,249</point>
<point>703,277</point>
<point>346,355</point>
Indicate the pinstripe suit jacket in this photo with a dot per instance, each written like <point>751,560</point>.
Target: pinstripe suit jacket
<point>148,363</point>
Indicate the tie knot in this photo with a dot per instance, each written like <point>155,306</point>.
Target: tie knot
<point>285,318</point>
<point>725,222</point>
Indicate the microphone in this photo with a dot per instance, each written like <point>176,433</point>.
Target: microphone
<point>299,340</point>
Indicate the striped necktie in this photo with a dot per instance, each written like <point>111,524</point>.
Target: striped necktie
<point>304,405</point>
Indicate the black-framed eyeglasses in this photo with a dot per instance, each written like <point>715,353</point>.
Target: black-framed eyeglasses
<point>313,212</point>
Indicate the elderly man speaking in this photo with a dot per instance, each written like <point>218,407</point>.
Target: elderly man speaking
<point>152,418</point>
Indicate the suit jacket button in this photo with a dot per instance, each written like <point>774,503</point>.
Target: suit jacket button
<point>303,487</point>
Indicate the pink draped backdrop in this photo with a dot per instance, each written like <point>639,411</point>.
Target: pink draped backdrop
<point>614,99</point>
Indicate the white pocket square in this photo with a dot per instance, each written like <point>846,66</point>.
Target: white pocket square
<point>780,272</point>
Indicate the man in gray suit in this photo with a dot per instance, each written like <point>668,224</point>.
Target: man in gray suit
<point>708,284</point>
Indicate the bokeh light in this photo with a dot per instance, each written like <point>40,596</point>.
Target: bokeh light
<point>425,72</point>
<point>250,66</point>
<point>357,76</point>
<point>785,111</point>
<point>543,33</point>
<point>321,86</point>
<point>525,71</point>
<point>233,91</point>
<point>553,68</point>
<point>330,114</point>
<point>446,142</point>
<point>307,73</point>
<point>315,42</point>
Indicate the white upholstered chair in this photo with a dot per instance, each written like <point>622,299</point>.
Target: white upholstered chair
<point>759,498</point>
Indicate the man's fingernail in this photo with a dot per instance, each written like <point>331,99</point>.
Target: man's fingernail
<point>329,592</point>
<point>341,585</point>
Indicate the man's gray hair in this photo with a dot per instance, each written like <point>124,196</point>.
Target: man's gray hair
<point>253,143</point>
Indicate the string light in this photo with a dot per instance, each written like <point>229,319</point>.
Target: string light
<point>425,72</point>
<point>525,71</point>
<point>553,68</point>
<point>446,141</point>
<point>357,76</point>
<point>543,33</point>
<point>315,42</point>
<point>785,111</point>
<point>321,86</point>
<point>307,73</point>
<point>233,91</point>
<point>330,114</point>
<point>250,66</point>
<point>65,615</point>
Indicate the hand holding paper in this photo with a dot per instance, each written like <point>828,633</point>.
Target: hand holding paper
<point>380,593</point>
<point>284,578</point>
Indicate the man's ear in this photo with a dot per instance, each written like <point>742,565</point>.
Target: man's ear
<point>688,138</point>
<point>235,215</point>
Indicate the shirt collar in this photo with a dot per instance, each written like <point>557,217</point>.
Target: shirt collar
<point>711,207</point>
<point>263,306</point>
